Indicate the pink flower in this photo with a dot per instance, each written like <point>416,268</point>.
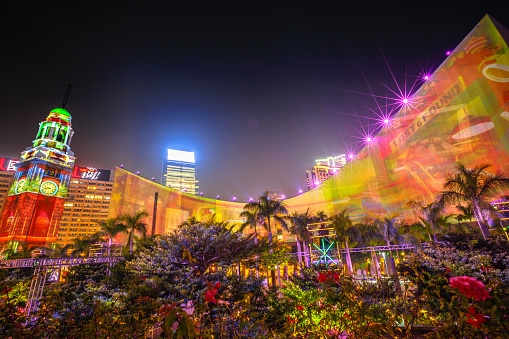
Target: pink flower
<point>470,287</point>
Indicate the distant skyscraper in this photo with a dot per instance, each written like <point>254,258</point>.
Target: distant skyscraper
<point>323,169</point>
<point>179,171</point>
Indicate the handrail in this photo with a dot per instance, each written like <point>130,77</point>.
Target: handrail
<point>38,262</point>
<point>367,249</point>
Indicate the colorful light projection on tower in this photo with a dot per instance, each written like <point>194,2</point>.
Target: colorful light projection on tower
<point>459,114</point>
<point>35,200</point>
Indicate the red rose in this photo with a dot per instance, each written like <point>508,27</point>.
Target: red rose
<point>336,277</point>
<point>470,287</point>
<point>217,285</point>
<point>300,308</point>
<point>209,296</point>
<point>322,277</point>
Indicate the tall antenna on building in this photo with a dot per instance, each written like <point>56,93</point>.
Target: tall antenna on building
<point>66,96</point>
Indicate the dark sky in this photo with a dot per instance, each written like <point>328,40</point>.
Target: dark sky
<point>258,91</point>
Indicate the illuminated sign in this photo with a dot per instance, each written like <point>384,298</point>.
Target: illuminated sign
<point>177,155</point>
<point>90,173</point>
<point>7,164</point>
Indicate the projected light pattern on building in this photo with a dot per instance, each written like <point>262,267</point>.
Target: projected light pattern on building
<point>459,114</point>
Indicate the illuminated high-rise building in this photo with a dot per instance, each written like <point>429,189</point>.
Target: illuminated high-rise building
<point>323,169</point>
<point>179,171</point>
<point>36,197</point>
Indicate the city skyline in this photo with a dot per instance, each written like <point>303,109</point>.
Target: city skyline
<point>258,97</point>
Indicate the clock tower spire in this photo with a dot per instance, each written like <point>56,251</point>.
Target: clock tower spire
<point>35,200</point>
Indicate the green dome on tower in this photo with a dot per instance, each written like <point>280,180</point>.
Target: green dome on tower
<point>60,111</point>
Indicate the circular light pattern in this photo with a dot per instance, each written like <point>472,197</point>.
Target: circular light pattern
<point>49,188</point>
<point>350,156</point>
<point>386,121</point>
<point>20,187</point>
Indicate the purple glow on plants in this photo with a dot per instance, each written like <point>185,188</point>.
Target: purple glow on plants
<point>153,179</point>
<point>218,197</point>
<point>138,173</point>
<point>201,193</point>
<point>121,166</point>
<point>251,199</point>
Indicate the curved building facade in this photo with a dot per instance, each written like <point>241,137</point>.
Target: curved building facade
<point>459,114</point>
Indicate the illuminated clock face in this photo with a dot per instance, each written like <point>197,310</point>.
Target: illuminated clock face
<point>49,188</point>
<point>20,187</point>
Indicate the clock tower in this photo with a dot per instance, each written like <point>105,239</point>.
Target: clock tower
<point>36,198</point>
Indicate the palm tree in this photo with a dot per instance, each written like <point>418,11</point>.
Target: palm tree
<point>81,246</point>
<point>430,212</point>
<point>253,218</point>
<point>299,228</point>
<point>345,232</point>
<point>265,210</point>
<point>368,233</point>
<point>466,213</point>
<point>268,209</point>
<point>110,228</point>
<point>389,231</point>
<point>60,251</point>
<point>474,186</point>
<point>133,222</point>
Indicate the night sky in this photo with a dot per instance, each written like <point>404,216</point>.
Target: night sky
<point>257,91</point>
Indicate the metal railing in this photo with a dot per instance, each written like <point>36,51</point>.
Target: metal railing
<point>365,249</point>
<point>40,262</point>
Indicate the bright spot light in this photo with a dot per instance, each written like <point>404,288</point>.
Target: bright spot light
<point>368,139</point>
<point>351,156</point>
<point>218,197</point>
<point>201,193</point>
<point>234,198</point>
<point>448,53</point>
<point>334,170</point>
<point>283,196</point>
<point>250,199</point>
<point>405,101</point>
<point>386,121</point>
<point>300,191</point>
<point>426,77</point>
<point>317,182</point>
